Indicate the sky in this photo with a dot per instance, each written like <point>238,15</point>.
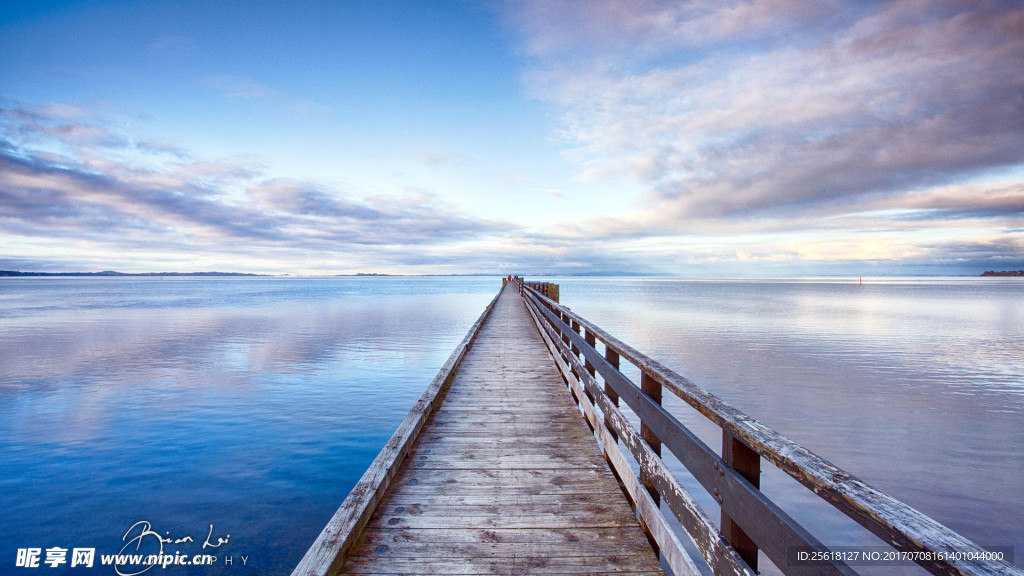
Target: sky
<point>692,138</point>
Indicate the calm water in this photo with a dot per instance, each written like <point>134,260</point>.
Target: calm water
<point>255,404</point>
<point>251,404</point>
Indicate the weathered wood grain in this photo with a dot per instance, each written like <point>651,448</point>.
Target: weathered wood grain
<point>592,538</point>
<point>531,562</point>
<point>416,550</point>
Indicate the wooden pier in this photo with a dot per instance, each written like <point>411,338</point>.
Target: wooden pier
<point>517,460</point>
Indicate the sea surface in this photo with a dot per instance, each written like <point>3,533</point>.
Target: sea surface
<point>241,411</point>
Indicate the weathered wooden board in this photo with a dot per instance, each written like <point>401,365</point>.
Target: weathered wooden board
<point>406,499</point>
<point>505,477</point>
<point>531,562</point>
<point>416,550</point>
<point>594,538</point>
<point>595,487</point>
<point>458,517</point>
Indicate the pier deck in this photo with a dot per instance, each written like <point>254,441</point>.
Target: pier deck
<point>505,477</point>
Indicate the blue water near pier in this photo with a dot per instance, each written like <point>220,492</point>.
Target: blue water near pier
<point>255,404</point>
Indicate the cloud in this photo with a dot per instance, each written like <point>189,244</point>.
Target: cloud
<point>67,124</point>
<point>765,110</point>
<point>435,157</point>
<point>298,197</point>
<point>242,88</point>
<point>159,147</point>
<point>182,205</point>
<point>173,47</point>
<point>633,30</point>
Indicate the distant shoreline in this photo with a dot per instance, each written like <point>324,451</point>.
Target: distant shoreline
<point>116,274</point>
<point>113,273</point>
<point>1004,273</point>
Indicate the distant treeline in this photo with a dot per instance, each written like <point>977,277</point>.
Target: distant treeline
<point>1004,273</point>
<point>112,273</point>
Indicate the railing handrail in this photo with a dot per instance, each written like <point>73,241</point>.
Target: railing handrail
<point>896,523</point>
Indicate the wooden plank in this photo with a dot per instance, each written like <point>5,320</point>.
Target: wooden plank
<point>507,458</point>
<point>469,442</point>
<point>481,573</point>
<point>548,408</point>
<point>526,422</point>
<point>498,462</point>
<point>504,477</point>
<point>521,428</point>
<point>416,550</point>
<point>555,431</point>
<point>469,439</point>
<point>470,448</point>
<point>563,536</point>
<point>445,450</point>
<point>400,498</point>
<point>525,564</point>
<point>519,507</point>
<point>494,519</point>
<point>539,488</point>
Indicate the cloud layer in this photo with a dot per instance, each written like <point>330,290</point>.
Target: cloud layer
<point>780,115</point>
<point>64,176</point>
<point>761,136</point>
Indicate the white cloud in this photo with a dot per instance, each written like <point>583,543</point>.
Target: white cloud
<point>779,116</point>
<point>242,88</point>
<point>222,208</point>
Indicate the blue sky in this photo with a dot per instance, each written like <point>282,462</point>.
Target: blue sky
<point>763,137</point>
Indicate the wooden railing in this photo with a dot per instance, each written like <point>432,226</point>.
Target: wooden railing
<point>750,521</point>
<point>547,289</point>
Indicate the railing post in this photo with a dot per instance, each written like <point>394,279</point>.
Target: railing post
<point>589,338</point>
<point>742,459</point>
<point>653,391</point>
<point>613,358</point>
<point>575,328</point>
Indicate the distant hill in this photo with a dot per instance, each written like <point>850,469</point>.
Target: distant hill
<point>1004,273</point>
<point>113,273</point>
